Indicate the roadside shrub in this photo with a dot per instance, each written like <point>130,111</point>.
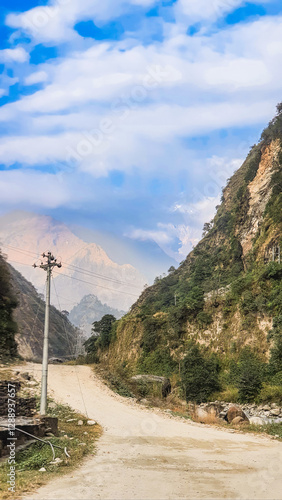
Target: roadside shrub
<point>250,382</point>
<point>158,362</point>
<point>270,394</point>
<point>247,374</point>
<point>276,379</point>
<point>230,395</point>
<point>199,375</point>
<point>275,362</point>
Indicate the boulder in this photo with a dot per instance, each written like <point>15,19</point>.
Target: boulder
<point>256,421</point>
<point>237,421</point>
<point>201,414</point>
<point>234,412</point>
<point>165,382</point>
<point>275,412</point>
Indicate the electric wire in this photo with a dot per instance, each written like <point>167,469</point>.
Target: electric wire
<point>68,340</point>
<point>95,284</point>
<point>79,270</point>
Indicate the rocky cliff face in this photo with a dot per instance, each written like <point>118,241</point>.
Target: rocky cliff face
<point>228,290</point>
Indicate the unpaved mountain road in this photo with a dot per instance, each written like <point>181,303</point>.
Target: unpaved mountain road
<point>144,454</point>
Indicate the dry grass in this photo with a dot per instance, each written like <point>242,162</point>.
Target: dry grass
<point>80,441</point>
<point>30,460</point>
<point>209,418</point>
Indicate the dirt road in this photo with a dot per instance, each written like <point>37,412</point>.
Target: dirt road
<point>147,455</point>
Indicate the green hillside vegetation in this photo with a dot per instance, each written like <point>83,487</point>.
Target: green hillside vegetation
<point>8,303</point>
<point>209,313</point>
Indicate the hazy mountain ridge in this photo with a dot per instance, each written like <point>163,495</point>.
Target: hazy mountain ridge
<point>87,269</point>
<point>91,309</point>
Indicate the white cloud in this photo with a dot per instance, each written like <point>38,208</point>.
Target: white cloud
<point>102,106</point>
<point>197,10</point>
<point>192,11</point>
<point>37,77</point>
<point>55,21</point>
<point>162,238</point>
<point>19,54</point>
<point>32,188</point>
<point>115,143</point>
<point>167,234</point>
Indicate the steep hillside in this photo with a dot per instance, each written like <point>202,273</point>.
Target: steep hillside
<point>29,315</point>
<point>8,327</point>
<point>228,290</point>
<point>91,309</point>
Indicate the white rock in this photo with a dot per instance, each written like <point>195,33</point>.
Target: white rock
<point>275,412</point>
<point>42,469</point>
<point>80,422</point>
<point>201,414</point>
<point>91,422</point>
<point>256,421</point>
<point>56,461</point>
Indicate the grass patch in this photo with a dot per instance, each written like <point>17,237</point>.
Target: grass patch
<point>270,429</point>
<point>80,440</point>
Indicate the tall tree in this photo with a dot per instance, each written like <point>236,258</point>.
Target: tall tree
<point>103,328</point>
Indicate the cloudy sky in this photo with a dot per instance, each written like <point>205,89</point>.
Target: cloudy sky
<point>128,116</point>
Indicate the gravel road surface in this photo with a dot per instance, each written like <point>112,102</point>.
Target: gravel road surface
<point>147,455</point>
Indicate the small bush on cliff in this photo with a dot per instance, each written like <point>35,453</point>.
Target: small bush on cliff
<point>199,375</point>
<point>247,375</point>
<point>275,362</point>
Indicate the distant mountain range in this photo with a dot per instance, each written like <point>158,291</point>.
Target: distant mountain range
<point>86,268</point>
<point>91,309</point>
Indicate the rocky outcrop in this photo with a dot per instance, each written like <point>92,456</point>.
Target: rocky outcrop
<point>252,413</point>
<point>154,379</point>
<point>259,194</point>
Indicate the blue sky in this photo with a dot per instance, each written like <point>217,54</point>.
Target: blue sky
<point>129,116</point>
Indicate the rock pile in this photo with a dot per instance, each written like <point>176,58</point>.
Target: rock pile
<point>255,414</point>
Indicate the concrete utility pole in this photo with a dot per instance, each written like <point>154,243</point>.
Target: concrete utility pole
<point>47,266</point>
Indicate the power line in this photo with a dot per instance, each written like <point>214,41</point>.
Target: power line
<point>101,276</point>
<point>100,286</point>
<point>83,281</point>
<point>68,340</point>
<point>78,269</point>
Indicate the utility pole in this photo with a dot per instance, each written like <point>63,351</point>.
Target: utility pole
<point>48,265</point>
